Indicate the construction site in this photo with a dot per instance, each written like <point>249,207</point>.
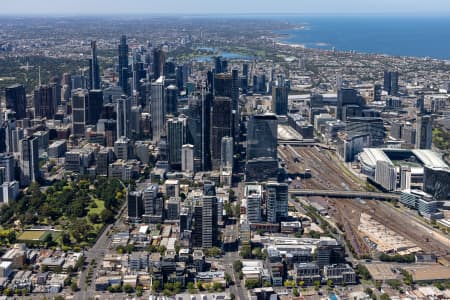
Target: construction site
<point>370,226</point>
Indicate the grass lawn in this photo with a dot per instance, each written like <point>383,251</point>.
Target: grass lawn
<point>97,210</point>
<point>32,235</point>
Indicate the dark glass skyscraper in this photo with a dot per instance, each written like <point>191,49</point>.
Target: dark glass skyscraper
<point>44,102</point>
<point>16,99</point>
<point>424,132</point>
<point>391,82</point>
<point>280,94</point>
<point>94,69</point>
<point>123,65</point>
<point>221,124</point>
<point>262,136</point>
<point>159,59</point>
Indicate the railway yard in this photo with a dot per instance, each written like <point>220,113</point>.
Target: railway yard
<point>369,225</point>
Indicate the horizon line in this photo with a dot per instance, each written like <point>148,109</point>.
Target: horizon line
<point>229,14</point>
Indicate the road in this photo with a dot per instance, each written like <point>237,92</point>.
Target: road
<point>96,252</point>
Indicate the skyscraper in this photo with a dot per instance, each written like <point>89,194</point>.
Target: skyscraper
<point>221,123</point>
<point>276,201</point>
<point>280,93</point>
<point>187,158</point>
<point>208,224</point>
<point>391,82</point>
<point>262,159</point>
<point>171,100</point>
<point>226,162</point>
<point>123,113</point>
<point>262,136</point>
<point>16,100</point>
<point>176,138</point>
<point>199,128</point>
<point>235,84</point>
<point>158,108</point>
<point>80,104</point>
<point>123,65</point>
<point>44,102</point>
<point>29,161</point>
<point>94,69</point>
<point>159,60</point>
<point>95,106</point>
<point>424,132</point>
<point>348,97</point>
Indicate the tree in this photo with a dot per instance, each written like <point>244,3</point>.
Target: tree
<point>74,286</point>
<point>139,291</point>
<point>385,297</point>
<point>127,289</point>
<point>217,287</point>
<point>156,285</point>
<point>330,283</point>
<point>107,216</point>
<point>252,284</point>
<point>295,292</point>
<point>317,285</point>
<point>190,287</point>
<point>228,279</point>
<point>246,252</point>
<point>237,266</point>
<point>363,272</point>
<point>289,284</point>
<point>94,218</point>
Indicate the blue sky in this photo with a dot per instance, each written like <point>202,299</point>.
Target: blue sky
<point>51,7</point>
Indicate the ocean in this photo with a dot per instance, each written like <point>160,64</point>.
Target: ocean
<point>417,36</point>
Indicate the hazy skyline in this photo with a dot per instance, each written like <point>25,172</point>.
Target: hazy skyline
<point>80,7</point>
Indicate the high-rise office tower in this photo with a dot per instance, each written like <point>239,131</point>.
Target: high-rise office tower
<point>253,195</point>
<point>7,166</point>
<point>153,204</point>
<point>176,138</point>
<point>180,77</point>
<point>221,124</point>
<point>123,114</point>
<point>80,104</point>
<point>208,224</point>
<point>95,106</point>
<point>29,161</point>
<point>367,125</point>
<point>159,60</point>
<point>262,158</point>
<point>223,85</point>
<point>158,108</point>
<point>348,97</point>
<point>276,201</point>
<point>16,100</point>
<point>377,91</point>
<point>44,102</point>
<point>135,206</point>
<point>199,129</point>
<point>135,121</point>
<point>235,84</point>
<point>171,100</point>
<point>262,136</point>
<point>123,65</point>
<point>187,158</point>
<point>424,132</point>
<point>245,70</point>
<point>94,69</point>
<point>226,161</point>
<point>9,125</point>
<point>280,93</point>
<point>55,85</point>
<point>123,148</point>
<point>391,82</point>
